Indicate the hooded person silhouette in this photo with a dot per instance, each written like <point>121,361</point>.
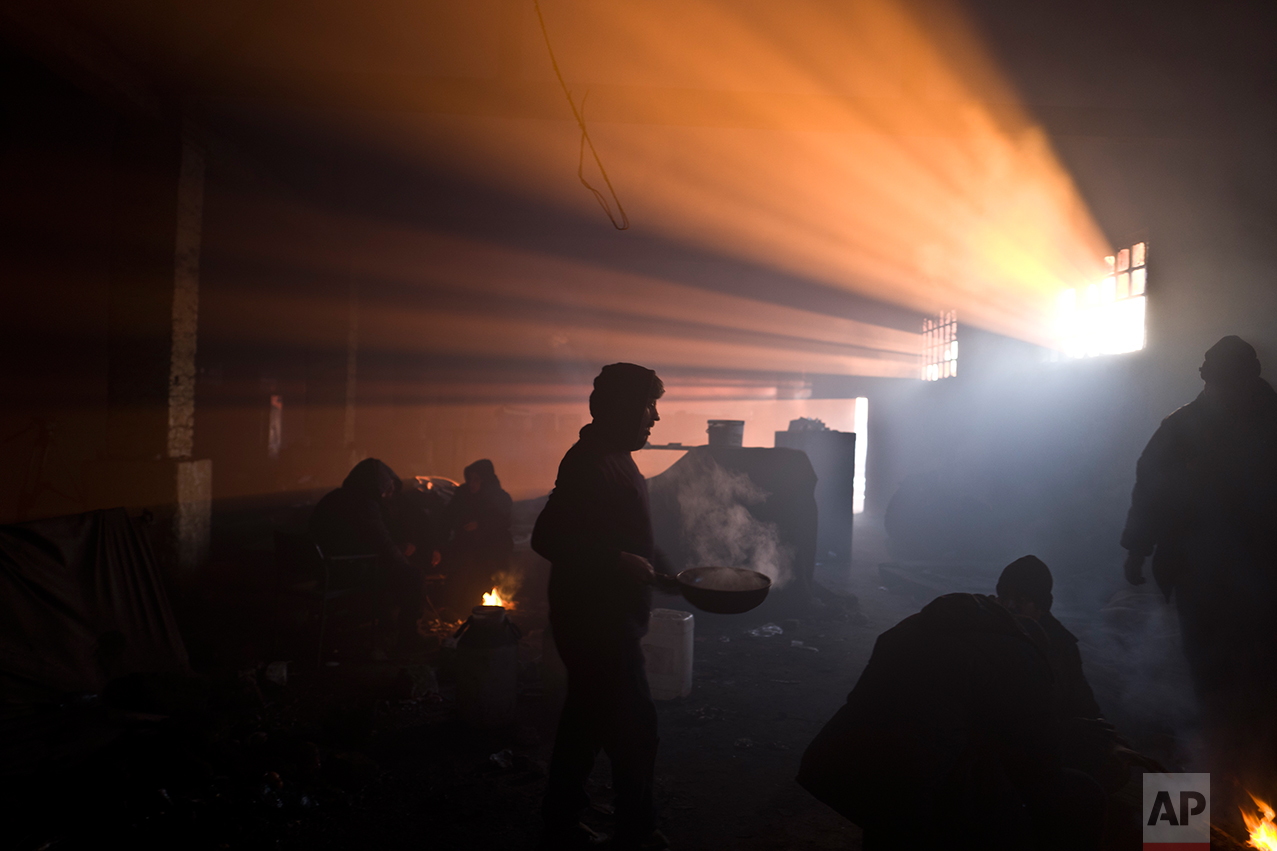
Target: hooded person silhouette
<point>354,519</point>
<point>596,532</point>
<point>949,740</point>
<point>1204,507</point>
<point>479,519</point>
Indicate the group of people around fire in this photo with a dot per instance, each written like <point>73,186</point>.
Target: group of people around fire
<point>463,538</point>
<point>973,722</point>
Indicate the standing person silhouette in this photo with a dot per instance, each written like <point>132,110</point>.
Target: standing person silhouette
<point>596,531</point>
<point>1205,508</point>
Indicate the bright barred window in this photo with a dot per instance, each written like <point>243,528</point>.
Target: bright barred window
<point>1107,317</point>
<point>940,346</point>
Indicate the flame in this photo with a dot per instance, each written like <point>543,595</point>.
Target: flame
<point>1263,832</point>
<point>494,599</point>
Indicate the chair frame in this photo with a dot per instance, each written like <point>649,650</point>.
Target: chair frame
<point>305,556</point>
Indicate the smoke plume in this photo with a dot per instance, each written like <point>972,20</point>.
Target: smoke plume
<point>718,528</point>
<point>1137,668</point>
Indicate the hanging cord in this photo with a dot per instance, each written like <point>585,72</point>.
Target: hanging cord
<point>624,222</point>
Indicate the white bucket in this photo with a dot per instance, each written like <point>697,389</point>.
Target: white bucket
<point>667,651</point>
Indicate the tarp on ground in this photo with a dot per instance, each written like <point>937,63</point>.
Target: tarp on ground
<point>81,602</point>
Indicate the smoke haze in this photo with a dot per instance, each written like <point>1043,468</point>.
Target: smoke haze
<point>717,526</point>
<point>1133,658</point>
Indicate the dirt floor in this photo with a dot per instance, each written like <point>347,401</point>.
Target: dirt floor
<point>368,754</point>
<point>728,755</point>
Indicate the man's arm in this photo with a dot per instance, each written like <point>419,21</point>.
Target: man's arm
<point>376,534</point>
<point>1133,568</point>
<point>573,530</point>
<point>664,577</point>
<point>1155,474</point>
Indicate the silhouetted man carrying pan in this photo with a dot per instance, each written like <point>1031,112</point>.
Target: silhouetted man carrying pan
<point>596,531</point>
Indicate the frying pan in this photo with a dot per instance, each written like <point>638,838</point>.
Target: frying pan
<point>723,590</point>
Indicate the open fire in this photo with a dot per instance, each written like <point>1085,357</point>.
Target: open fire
<point>1263,832</point>
<point>494,598</point>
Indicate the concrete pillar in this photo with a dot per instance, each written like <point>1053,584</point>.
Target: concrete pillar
<point>194,478</point>
<point>149,464</point>
<point>186,300</point>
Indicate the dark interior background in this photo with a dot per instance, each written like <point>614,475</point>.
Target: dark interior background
<point>1163,113</point>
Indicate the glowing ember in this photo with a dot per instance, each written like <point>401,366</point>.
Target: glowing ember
<point>494,599</point>
<point>1263,832</point>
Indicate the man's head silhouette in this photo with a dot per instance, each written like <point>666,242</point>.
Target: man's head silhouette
<point>1230,362</point>
<point>623,403</point>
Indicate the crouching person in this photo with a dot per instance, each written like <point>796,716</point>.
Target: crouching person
<point>1089,743</point>
<point>950,740</point>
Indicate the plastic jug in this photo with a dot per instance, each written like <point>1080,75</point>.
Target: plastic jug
<point>667,651</point>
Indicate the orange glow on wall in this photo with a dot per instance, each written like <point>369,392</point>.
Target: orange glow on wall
<point>864,145</point>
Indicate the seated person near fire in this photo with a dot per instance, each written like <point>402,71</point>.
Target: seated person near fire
<point>354,520</point>
<point>480,520</point>
<point>951,739</point>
